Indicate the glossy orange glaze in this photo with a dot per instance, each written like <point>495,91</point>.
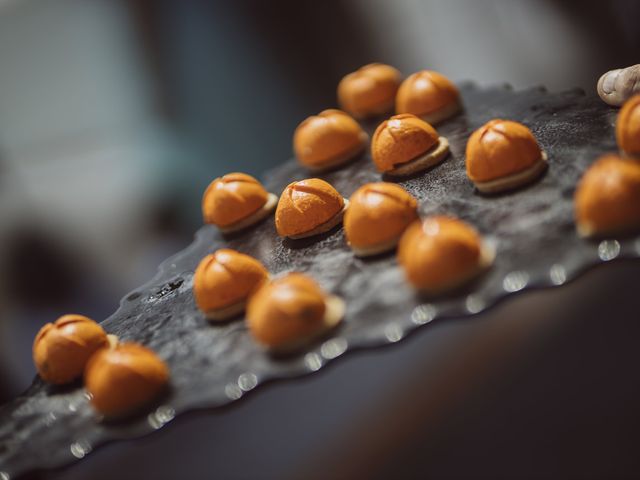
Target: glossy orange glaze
<point>286,310</point>
<point>378,213</point>
<point>231,198</point>
<point>368,90</point>
<point>401,139</point>
<point>500,148</point>
<point>438,252</point>
<point>305,205</point>
<point>62,349</point>
<point>628,127</point>
<point>322,138</point>
<point>426,92</point>
<point>226,277</point>
<point>124,378</point>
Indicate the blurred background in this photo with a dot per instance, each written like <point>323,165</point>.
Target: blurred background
<point>115,115</point>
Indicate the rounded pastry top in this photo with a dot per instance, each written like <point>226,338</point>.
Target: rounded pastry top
<point>321,138</point>
<point>426,92</point>
<point>500,148</point>
<point>61,349</point>
<point>369,90</point>
<point>286,310</point>
<point>628,127</point>
<point>124,378</point>
<point>439,251</point>
<point>225,278</point>
<point>377,213</point>
<point>231,198</point>
<point>607,198</point>
<point>305,205</point>
<point>401,139</point>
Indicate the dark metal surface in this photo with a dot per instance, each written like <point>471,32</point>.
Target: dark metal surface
<point>532,230</point>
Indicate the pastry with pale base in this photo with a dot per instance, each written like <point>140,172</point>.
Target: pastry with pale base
<point>307,208</point>
<point>369,91</point>
<point>503,155</point>
<point>428,95</point>
<point>236,201</point>
<point>328,140</point>
<point>628,127</point>
<point>441,254</point>
<point>124,379</point>
<point>224,280</point>
<point>377,216</point>
<point>287,314</point>
<point>404,145</point>
<point>61,349</point>
<point>607,199</point>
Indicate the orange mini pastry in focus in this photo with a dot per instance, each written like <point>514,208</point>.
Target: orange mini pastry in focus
<point>62,349</point>
<point>442,253</point>
<point>607,200</point>
<point>369,91</point>
<point>125,378</point>
<point>327,140</point>
<point>628,127</point>
<point>502,155</point>
<point>236,201</point>
<point>404,145</point>
<point>308,207</point>
<point>223,282</point>
<point>377,216</point>
<point>428,95</point>
<point>292,311</point>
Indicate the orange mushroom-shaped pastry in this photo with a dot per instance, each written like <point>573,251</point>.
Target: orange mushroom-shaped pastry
<point>429,95</point>
<point>288,313</point>
<point>236,201</point>
<point>309,207</point>
<point>224,280</point>
<point>369,91</point>
<point>327,140</point>
<point>628,127</point>
<point>62,349</point>
<point>404,145</point>
<point>502,155</point>
<point>377,216</point>
<point>442,253</point>
<point>124,379</point>
<point>607,200</point>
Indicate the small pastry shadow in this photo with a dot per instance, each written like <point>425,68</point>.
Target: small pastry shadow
<point>378,256</point>
<point>326,171</point>
<point>244,231</point>
<point>52,390</point>
<point>310,241</point>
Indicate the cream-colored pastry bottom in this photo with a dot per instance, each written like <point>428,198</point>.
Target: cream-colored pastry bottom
<point>323,227</point>
<point>432,157</point>
<point>263,212</point>
<point>342,158</point>
<point>383,108</point>
<point>517,179</point>
<point>376,249</point>
<point>333,315</point>
<point>443,114</point>
<point>225,313</point>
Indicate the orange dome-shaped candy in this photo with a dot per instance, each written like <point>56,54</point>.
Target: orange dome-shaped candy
<point>289,312</point>
<point>377,216</point>
<point>308,207</point>
<point>236,201</point>
<point>502,155</point>
<point>61,349</point>
<point>223,282</point>
<point>370,90</point>
<point>327,140</point>
<point>429,95</point>
<point>442,253</point>
<point>125,378</point>
<point>404,145</point>
<point>607,200</point>
<point>628,127</point>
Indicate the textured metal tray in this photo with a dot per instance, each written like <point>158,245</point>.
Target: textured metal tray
<point>213,365</point>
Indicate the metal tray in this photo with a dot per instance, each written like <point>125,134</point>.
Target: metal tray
<point>213,365</point>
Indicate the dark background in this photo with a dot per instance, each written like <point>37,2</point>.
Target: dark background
<point>114,116</point>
